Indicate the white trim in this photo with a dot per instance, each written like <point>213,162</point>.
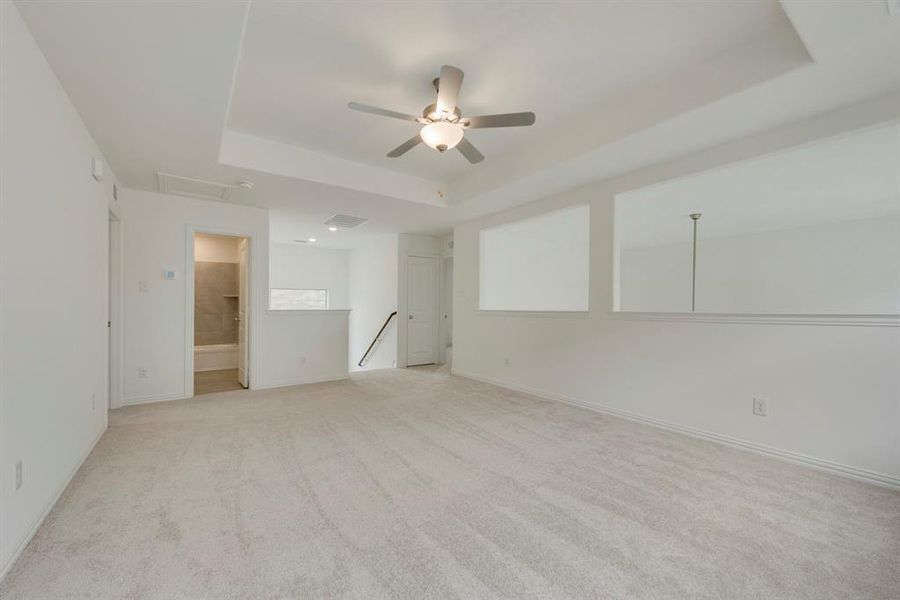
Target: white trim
<point>154,398</point>
<point>302,381</point>
<point>307,311</point>
<point>116,310</point>
<point>40,520</point>
<point>252,303</point>
<point>444,334</point>
<point>163,179</point>
<point>785,455</point>
<point>207,369</point>
<point>536,314</point>
<point>756,319</point>
<point>234,75</point>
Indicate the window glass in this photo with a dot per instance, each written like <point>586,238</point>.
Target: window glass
<point>287,299</point>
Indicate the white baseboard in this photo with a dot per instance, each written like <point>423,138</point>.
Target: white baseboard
<point>40,520</point>
<point>154,398</point>
<point>299,381</point>
<point>785,455</point>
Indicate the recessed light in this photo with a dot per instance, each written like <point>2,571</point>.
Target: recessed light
<point>332,229</point>
<point>311,240</point>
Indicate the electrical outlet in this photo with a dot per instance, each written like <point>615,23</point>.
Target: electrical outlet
<point>18,474</point>
<point>302,360</point>
<point>93,401</point>
<point>506,361</point>
<point>760,407</point>
<point>142,373</point>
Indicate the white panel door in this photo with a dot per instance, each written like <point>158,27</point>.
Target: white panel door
<point>243,290</point>
<point>421,304</point>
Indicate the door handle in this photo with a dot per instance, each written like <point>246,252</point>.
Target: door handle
<point>410,317</point>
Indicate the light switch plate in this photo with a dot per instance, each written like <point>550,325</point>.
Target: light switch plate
<point>97,168</point>
<point>760,407</point>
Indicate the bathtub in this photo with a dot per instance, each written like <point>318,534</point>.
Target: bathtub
<point>215,357</point>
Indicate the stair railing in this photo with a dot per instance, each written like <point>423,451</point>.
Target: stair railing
<point>377,339</point>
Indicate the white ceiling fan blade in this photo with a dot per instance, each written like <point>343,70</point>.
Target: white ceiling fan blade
<point>382,112</point>
<point>522,119</point>
<point>448,88</point>
<point>405,147</point>
<point>471,153</point>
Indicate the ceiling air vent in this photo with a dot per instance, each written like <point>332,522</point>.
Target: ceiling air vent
<point>192,188</point>
<point>345,221</point>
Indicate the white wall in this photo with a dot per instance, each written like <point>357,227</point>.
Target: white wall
<point>536,264</point>
<point>833,389</point>
<point>216,248</point>
<point>850,267</point>
<point>53,287</point>
<point>285,349</point>
<point>296,266</point>
<point>373,296</point>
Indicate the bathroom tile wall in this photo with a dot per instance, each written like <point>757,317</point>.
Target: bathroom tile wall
<point>215,303</point>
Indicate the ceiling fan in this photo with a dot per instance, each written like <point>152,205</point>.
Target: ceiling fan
<point>443,124</point>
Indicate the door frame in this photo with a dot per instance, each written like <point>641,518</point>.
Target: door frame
<point>436,259</point>
<point>243,283</point>
<point>116,310</point>
<point>252,308</point>
<point>446,304</point>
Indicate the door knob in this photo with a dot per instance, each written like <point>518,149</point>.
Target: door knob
<point>410,317</point>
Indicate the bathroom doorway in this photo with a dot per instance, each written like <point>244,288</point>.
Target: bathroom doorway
<point>221,323</point>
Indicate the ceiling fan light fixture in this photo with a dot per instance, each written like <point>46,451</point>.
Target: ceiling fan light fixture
<point>441,135</point>
<point>443,124</point>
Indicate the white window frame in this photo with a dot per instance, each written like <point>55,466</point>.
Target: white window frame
<point>327,298</point>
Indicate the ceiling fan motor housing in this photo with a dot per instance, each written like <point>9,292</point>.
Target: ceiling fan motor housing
<point>432,114</point>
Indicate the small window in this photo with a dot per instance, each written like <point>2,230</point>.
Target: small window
<point>285,299</point>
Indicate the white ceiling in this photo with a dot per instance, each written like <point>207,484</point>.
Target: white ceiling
<point>616,86</point>
<point>851,177</point>
<point>301,63</point>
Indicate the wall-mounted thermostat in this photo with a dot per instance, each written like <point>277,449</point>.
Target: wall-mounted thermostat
<point>168,274</point>
<point>97,168</point>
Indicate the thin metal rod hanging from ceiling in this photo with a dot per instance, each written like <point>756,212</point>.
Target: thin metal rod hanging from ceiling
<point>695,217</point>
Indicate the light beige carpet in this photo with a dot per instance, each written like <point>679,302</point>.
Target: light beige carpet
<point>415,484</point>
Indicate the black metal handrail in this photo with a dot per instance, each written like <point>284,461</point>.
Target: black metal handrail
<point>377,337</point>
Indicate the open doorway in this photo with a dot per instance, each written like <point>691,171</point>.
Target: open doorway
<point>221,323</point>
